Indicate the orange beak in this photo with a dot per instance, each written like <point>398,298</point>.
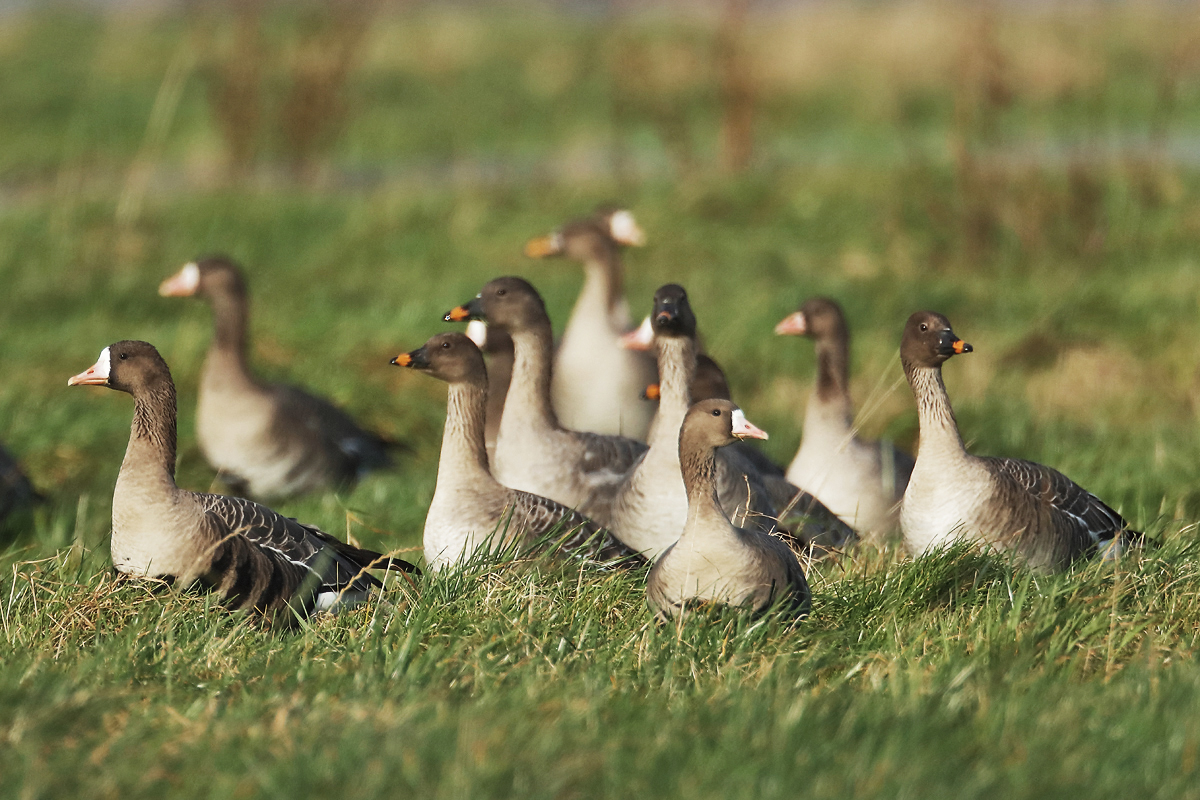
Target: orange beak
<point>652,392</point>
<point>961,347</point>
<point>402,360</point>
<point>458,314</point>
<point>793,324</point>
<point>544,246</point>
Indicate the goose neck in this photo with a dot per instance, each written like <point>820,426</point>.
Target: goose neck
<point>464,452</point>
<point>939,428</point>
<point>676,369</point>
<point>152,445</point>
<point>528,402</point>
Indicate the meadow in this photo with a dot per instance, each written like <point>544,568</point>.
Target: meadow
<point>1033,173</point>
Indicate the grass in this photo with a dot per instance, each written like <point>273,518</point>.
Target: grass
<point>1062,249</point>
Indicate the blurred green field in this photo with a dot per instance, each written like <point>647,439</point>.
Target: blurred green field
<point>1032,173</point>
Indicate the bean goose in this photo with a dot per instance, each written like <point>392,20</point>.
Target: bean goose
<point>470,509</point>
<point>267,440</point>
<point>498,347</point>
<point>1004,504</point>
<point>860,481</point>
<point>651,505</point>
<point>714,561</point>
<point>534,453</point>
<point>254,558</point>
<point>596,382</point>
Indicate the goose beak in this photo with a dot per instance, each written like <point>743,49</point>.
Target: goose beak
<point>961,347</point>
<point>416,359</point>
<point>652,392</point>
<point>95,375</point>
<point>744,428</point>
<point>544,246</point>
<point>640,338</point>
<point>463,313</point>
<point>183,283</point>
<point>793,324</point>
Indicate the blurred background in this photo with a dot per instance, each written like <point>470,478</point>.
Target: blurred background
<point>1029,169</point>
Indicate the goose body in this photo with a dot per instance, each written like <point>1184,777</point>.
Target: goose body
<point>861,481</point>
<point>471,509</point>
<point>267,440</point>
<point>534,453</point>
<point>714,561</point>
<point>253,557</point>
<point>597,384</point>
<point>1004,504</point>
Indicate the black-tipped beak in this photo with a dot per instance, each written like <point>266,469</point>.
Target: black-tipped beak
<point>961,347</point>
<point>666,316</point>
<point>415,359</point>
<point>951,345</point>
<point>466,312</point>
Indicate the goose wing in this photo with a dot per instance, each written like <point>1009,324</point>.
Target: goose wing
<point>570,531</point>
<point>354,449</point>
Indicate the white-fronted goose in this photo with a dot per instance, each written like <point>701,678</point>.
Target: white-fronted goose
<point>714,561</point>
<point>267,440</point>
<point>597,383</point>
<point>860,481</point>
<point>254,558</point>
<point>1004,504</point>
<point>651,505</point>
<point>470,509</point>
<point>534,453</point>
<point>497,346</point>
<point>16,492</point>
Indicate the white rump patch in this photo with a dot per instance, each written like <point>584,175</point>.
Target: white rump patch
<point>624,228</point>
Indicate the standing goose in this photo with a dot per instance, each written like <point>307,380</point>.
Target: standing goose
<point>267,440</point>
<point>860,481</point>
<point>534,453</point>
<point>497,345</point>
<point>714,561</point>
<point>469,506</point>
<point>254,558</point>
<point>1002,503</point>
<point>651,505</point>
<point>597,383</point>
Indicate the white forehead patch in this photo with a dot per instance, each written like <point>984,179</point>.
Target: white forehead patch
<point>190,275</point>
<point>477,332</point>
<point>624,228</point>
<point>103,364</point>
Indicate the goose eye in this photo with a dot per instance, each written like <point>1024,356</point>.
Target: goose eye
<point>501,292</point>
<point>445,345</point>
<point>716,412</point>
<point>924,327</point>
<point>123,356</point>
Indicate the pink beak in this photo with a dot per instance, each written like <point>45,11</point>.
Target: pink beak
<point>744,429</point>
<point>640,338</point>
<point>793,324</point>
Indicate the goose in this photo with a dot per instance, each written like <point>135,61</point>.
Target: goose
<point>860,481</point>
<point>16,492</point>
<point>498,347</point>
<point>266,440</point>
<point>534,452</point>
<point>651,505</point>
<point>1004,504</point>
<point>254,558</point>
<point>596,382</point>
<point>470,506</point>
<point>714,561</point>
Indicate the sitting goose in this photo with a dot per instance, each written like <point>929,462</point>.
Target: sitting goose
<point>1003,503</point>
<point>714,561</point>
<point>651,505</point>
<point>534,453</point>
<point>860,481</point>
<point>255,558</point>
<point>469,506</point>
<point>596,382</point>
<point>266,440</point>
<point>498,347</point>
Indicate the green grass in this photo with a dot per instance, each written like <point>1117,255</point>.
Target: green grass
<point>953,675</point>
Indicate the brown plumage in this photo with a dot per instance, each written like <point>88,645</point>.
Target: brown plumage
<point>1004,504</point>
<point>267,440</point>
<point>252,557</point>
<point>534,453</point>
<point>714,561</point>
<point>470,509</point>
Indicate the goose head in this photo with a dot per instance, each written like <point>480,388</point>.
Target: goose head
<point>129,366</point>
<point>509,304</point>
<point>716,423</point>
<point>451,357</point>
<point>672,314</point>
<point>213,276</point>
<point>591,237</point>
<point>818,318</point>
<point>929,341</point>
